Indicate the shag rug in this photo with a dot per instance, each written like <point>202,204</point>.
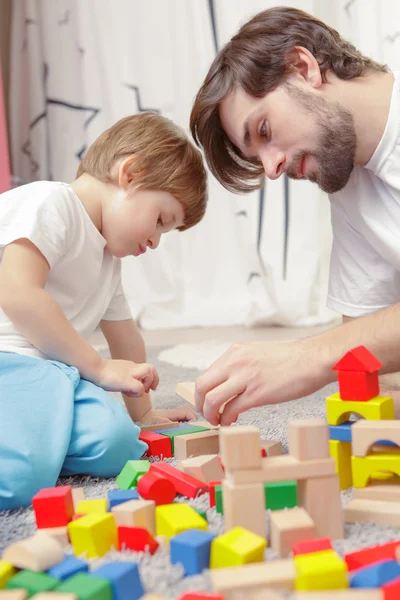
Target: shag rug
<point>158,575</point>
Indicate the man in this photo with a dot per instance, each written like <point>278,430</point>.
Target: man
<point>287,95</point>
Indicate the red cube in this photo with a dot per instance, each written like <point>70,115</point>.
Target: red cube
<point>136,538</point>
<point>54,507</point>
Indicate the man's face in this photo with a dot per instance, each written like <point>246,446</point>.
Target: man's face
<point>295,131</point>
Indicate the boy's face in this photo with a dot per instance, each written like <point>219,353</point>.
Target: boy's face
<point>135,220</point>
<point>293,130</point>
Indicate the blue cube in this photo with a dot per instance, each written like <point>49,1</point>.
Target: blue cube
<point>341,433</point>
<point>192,549</point>
<point>68,567</point>
<point>120,496</point>
<point>376,575</point>
<point>124,578</point>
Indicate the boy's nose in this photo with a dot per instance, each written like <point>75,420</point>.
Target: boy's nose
<point>154,241</point>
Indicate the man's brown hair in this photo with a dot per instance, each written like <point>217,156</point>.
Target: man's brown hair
<point>166,160</point>
<point>258,59</point>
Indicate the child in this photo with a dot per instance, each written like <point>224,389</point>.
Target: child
<point>60,251</point>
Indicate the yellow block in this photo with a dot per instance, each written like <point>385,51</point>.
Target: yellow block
<point>6,572</point>
<point>364,467</point>
<point>86,507</point>
<point>239,546</point>
<point>320,571</point>
<point>94,534</point>
<point>379,408</point>
<point>172,519</point>
<point>341,452</point>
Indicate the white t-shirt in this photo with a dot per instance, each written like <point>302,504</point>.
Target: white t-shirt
<point>365,261</point>
<point>84,278</point>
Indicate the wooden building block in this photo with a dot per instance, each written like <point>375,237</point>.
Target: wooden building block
<point>367,556</point>
<point>275,574</point>
<point>131,472</point>
<point>138,539</point>
<point>378,408</point>
<point>311,546</point>
<point>7,570</point>
<point>172,519</point>
<point>372,511</point>
<point>322,500</point>
<point>367,433</point>
<point>153,597</point>
<point>54,595</point>
<point>94,534</point>
<point>320,571</point>
<point>197,444</point>
<point>244,506</point>
<point>289,526</point>
<point>32,581</point>
<point>185,485</point>
<point>271,447</point>
<point>236,547</point>
<point>89,587</point>
<point>240,447</point>
<point>59,534</point>
<point>53,506</point>
<point>185,390</point>
<point>282,468</point>
<point>340,595</point>
<point>13,594</point>
<point>261,594</point>
<point>155,427</point>
<point>157,487</point>
<point>159,445</point>
<point>182,430</point>
<point>136,513</point>
<point>364,468</point>
<point>86,507</point>
<point>192,549</point>
<point>380,491</point>
<point>341,453</point>
<point>376,575</point>
<point>308,439</point>
<point>358,374</point>
<point>204,468</point>
<point>36,553</point>
<point>78,494</point>
<point>280,494</point>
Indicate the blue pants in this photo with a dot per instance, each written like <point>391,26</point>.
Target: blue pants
<point>53,422</point>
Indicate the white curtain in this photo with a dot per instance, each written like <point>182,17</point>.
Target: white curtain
<point>80,65</point>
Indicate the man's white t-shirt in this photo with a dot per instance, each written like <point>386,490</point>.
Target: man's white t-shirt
<point>84,278</point>
<point>365,261</point>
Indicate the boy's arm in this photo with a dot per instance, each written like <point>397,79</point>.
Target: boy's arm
<point>126,342</point>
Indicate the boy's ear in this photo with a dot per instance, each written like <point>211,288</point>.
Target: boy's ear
<point>126,172</point>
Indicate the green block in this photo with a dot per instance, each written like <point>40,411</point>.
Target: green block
<point>32,581</point>
<point>129,475</point>
<point>202,513</point>
<point>280,494</point>
<point>218,500</point>
<point>184,431</point>
<point>86,587</point>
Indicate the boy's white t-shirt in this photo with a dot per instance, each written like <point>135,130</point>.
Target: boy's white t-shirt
<point>84,278</point>
<point>365,261</point>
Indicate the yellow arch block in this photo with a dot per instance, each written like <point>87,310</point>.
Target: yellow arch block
<point>364,467</point>
<point>338,411</point>
<point>341,452</point>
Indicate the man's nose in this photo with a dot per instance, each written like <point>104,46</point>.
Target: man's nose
<point>273,163</point>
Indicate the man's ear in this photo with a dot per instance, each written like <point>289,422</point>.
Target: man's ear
<point>126,172</point>
<point>302,63</point>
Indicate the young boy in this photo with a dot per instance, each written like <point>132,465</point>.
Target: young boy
<point>60,251</point>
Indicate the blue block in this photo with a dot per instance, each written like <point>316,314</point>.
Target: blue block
<point>119,496</point>
<point>183,426</point>
<point>68,567</point>
<point>376,575</point>
<point>192,549</point>
<point>124,579</point>
<point>341,433</point>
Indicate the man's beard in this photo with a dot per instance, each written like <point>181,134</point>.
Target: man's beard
<point>337,143</point>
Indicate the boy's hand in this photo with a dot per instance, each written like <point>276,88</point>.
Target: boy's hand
<point>125,376</point>
<point>182,413</point>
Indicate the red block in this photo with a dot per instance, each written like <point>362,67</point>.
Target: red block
<point>136,538</point>
<point>367,556</point>
<point>184,484</point>
<point>157,487</point>
<point>391,590</point>
<point>212,485</point>
<point>311,546</point>
<point>263,453</point>
<point>222,464</point>
<point>159,445</point>
<point>53,507</point>
<point>200,596</point>
<point>358,386</point>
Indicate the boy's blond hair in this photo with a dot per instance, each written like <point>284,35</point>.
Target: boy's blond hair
<point>166,160</point>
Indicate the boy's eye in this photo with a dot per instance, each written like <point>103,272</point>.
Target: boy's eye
<point>160,222</point>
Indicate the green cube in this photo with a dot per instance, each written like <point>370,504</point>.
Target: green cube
<point>202,513</point>
<point>218,500</point>
<point>86,587</point>
<point>280,494</point>
<point>173,433</point>
<point>129,475</point>
<point>32,581</point>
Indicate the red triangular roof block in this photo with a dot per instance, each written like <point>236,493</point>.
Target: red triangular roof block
<point>358,359</point>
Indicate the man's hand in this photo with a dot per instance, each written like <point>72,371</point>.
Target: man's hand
<point>182,413</point>
<point>254,374</point>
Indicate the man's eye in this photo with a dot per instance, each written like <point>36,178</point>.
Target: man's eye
<point>263,131</point>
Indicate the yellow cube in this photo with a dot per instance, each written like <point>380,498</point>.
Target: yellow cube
<point>341,452</point>
<point>239,546</point>
<point>6,572</point>
<point>86,507</point>
<point>323,570</point>
<point>172,519</point>
<point>338,411</point>
<point>94,534</point>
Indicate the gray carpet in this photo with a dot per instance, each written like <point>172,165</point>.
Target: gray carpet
<point>157,573</point>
